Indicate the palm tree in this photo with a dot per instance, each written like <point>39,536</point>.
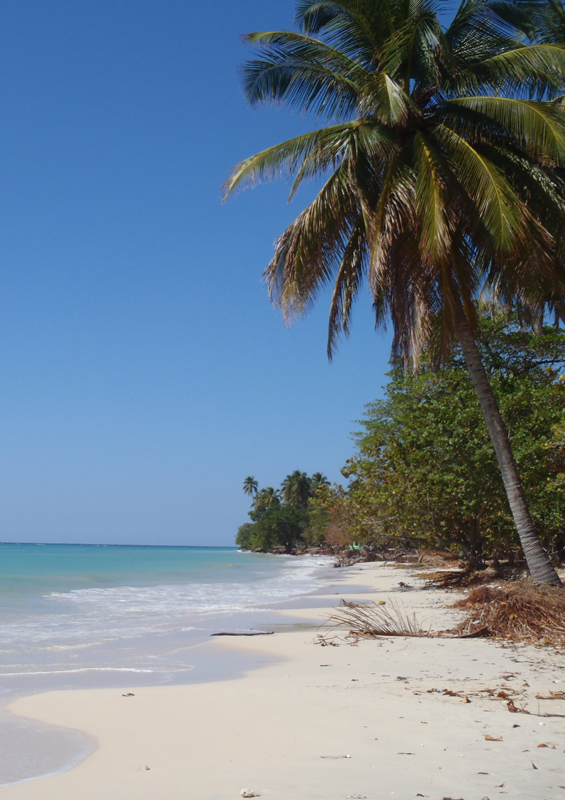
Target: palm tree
<point>250,485</point>
<point>318,480</point>
<point>296,489</point>
<point>441,177</point>
<point>267,498</point>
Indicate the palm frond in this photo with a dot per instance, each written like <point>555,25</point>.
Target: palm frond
<point>371,620</point>
<point>472,37</point>
<point>539,128</point>
<point>305,82</point>
<point>366,138</point>
<point>496,204</point>
<point>412,298</point>
<point>402,283</point>
<point>542,188</point>
<point>309,252</point>
<point>326,147</point>
<point>354,26</point>
<point>432,200</point>
<point>296,48</point>
<point>348,281</point>
<point>394,205</point>
<point>430,54</point>
<point>468,19</point>
<point>537,20</point>
<point>411,53</point>
<point>538,68</point>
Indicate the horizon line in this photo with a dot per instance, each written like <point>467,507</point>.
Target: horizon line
<point>87,544</point>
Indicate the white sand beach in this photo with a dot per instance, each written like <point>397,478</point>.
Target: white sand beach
<point>366,721</point>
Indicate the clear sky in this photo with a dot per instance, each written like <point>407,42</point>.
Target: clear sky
<point>143,372</point>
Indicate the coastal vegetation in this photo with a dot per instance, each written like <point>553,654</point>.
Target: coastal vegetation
<point>440,168</point>
<point>424,474</point>
<point>286,518</point>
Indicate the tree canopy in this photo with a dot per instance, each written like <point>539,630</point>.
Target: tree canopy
<point>424,471</point>
<point>285,518</point>
<point>442,168</point>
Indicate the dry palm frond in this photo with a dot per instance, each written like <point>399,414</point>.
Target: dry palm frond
<point>375,619</point>
<point>517,613</point>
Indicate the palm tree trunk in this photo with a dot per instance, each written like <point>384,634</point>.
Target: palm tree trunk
<point>537,559</point>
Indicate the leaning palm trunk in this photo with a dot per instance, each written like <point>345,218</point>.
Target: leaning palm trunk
<point>537,559</point>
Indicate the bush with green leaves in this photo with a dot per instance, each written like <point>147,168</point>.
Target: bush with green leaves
<point>424,471</point>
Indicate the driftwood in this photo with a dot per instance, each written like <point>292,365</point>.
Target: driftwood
<point>475,634</point>
<point>247,633</point>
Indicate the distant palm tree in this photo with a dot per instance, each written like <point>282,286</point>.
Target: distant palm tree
<point>250,485</point>
<point>267,498</point>
<point>296,488</point>
<point>441,178</point>
<point>320,479</point>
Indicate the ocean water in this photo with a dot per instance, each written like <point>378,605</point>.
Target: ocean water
<point>79,616</point>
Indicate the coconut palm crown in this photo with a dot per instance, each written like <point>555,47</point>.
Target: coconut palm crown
<point>266,498</point>
<point>441,161</point>
<point>296,488</point>
<point>250,485</point>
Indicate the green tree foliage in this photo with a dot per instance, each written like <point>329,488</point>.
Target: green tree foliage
<point>424,471</point>
<point>287,518</point>
<point>440,172</point>
<point>297,488</point>
<point>266,499</point>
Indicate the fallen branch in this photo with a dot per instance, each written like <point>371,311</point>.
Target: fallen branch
<point>246,633</point>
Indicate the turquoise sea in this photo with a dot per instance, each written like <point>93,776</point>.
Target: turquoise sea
<point>80,616</point>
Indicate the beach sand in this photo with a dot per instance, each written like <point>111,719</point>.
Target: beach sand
<point>283,729</point>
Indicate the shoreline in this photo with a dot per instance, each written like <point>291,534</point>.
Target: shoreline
<point>284,726</point>
<point>179,653</point>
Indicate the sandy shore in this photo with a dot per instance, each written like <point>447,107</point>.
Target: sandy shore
<point>283,729</point>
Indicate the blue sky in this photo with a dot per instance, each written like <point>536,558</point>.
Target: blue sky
<point>143,372</point>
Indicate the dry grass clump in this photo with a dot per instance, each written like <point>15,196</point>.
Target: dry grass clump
<point>515,612</point>
<point>375,619</point>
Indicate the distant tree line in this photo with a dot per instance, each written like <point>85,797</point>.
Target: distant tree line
<point>286,518</point>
